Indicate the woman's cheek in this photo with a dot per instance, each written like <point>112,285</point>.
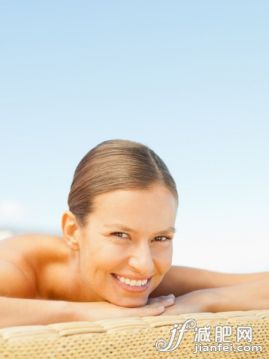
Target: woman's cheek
<point>163,256</point>
<point>111,256</point>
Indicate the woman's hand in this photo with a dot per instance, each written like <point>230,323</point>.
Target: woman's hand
<point>91,311</point>
<point>193,302</point>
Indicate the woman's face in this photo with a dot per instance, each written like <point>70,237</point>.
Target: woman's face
<point>128,238</point>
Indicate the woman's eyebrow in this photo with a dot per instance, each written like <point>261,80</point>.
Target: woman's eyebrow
<point>127,229</point>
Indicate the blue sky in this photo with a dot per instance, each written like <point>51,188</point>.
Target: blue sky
<point>189,79</point>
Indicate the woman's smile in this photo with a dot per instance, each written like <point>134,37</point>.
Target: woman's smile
<point>131,285</point>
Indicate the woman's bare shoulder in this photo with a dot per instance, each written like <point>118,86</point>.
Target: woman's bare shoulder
<point>27,245</point>
<point>30,253</point>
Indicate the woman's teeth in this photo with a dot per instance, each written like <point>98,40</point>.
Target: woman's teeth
<point>132,283</point>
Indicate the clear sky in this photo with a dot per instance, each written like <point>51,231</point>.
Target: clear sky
<point>188,78</point>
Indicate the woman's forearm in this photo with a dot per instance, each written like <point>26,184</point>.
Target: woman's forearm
<point>20,311</point>
<point>181,280</point>
<point>251,295</point>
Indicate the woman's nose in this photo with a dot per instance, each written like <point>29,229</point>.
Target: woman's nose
<point>141,260</point>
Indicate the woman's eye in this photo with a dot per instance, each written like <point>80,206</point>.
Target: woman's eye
<point>163,238</point>
<point>120,234</point>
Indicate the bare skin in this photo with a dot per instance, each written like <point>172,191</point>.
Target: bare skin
<point>129,234</point>
<point>44,260</point>
<point>37,286</point>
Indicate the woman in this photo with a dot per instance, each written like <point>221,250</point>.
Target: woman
<point>114,257</point>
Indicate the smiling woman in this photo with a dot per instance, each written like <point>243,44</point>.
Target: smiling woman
<point>115,253</point>
<point>113,262</point>
<point>123,204</point>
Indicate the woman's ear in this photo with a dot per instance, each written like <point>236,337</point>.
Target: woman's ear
<point>70,229</point>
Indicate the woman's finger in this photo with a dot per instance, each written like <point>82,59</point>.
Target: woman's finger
<point>164,299</point>
<point>149,309</point>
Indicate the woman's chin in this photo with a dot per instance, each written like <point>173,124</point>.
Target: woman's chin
<point>130,303</point>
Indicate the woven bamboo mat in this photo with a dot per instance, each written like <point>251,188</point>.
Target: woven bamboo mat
<point>244,334</point>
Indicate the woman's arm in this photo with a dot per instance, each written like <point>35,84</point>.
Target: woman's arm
<point>253,295</point>
<point>180,280</point>
<point>18,306</point>
<point>21,311</point>
<point>198,290</point>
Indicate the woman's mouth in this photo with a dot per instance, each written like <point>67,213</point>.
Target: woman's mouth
<point>130,284</point>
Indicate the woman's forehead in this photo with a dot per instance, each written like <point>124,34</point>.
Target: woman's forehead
<point>136,208</point>
<point>135,198</point>
<point>157,191</point>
